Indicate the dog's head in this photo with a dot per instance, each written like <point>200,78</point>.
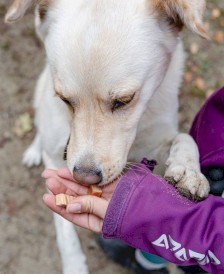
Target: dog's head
<point>107,58</point>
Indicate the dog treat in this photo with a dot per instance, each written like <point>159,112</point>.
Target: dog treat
<point>63,200</point>
<point>95,191</point>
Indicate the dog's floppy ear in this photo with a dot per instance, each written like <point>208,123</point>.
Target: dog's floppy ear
<point>17,10</point>
<point>183,12</point>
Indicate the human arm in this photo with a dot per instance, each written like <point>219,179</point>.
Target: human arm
<point>148,213</point>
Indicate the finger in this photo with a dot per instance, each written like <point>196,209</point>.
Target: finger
<point>61,172</point>
<point>56,187</point>
<point>89,204</point>
<point>73,186</point>
<point>47,173</point>
<point>64,176</point>
<point>64,172</point>
<point>87,221</point>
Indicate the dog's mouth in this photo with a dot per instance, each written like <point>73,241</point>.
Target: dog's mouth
<point>117,177</point>
<point>102,182</point>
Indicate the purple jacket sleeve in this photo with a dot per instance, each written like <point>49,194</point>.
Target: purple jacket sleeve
<point>148,213</point>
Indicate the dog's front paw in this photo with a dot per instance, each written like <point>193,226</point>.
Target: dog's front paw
<point>32,156</point>
<point>188,181</point>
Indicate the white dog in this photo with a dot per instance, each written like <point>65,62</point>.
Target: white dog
<point>110,86</point>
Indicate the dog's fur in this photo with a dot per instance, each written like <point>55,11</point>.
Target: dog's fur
<point>117,65</point>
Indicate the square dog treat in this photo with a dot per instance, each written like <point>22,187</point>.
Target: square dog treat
<point>63,200</point>
<point>95,191</point>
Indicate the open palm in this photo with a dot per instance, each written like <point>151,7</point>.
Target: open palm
<point>86,211</point>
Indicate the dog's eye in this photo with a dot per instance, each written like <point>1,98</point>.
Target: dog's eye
<point>66,101</point>
<point>59,95</point>
<point>119,103</point>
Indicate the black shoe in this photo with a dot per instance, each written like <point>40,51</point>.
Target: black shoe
<point>124,255</point>
<point>215,177</point>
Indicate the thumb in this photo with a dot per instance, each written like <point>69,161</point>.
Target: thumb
<point>89,204</point>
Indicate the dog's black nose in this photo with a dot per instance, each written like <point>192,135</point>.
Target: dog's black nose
<point>87,176</point>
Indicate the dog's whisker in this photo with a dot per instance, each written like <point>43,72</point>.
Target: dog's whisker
<point>136,167</point>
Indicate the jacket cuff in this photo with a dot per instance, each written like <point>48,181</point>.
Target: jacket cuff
<point>121,196</point>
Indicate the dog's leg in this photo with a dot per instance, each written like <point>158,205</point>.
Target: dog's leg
<point>176,153</point>
<point>177,156</point>
<point>73,259</point>
<point>183,169</point>
<point>158,137</point>
<point>33,155</point>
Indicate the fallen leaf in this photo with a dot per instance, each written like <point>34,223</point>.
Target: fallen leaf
<point>23,125</point>
<point>196,92</point>
<point>218,37</point>
<point>216,13</point>
<point>194,47</point>
<point>199,83</point>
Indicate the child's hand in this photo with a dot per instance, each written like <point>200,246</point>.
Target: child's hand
<point>87,211</point>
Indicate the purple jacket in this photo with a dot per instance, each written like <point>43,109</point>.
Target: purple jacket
<point>149,214</point>
<point>208,131</point>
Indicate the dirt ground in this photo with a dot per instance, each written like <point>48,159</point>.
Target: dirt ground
<point>27,237</point>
